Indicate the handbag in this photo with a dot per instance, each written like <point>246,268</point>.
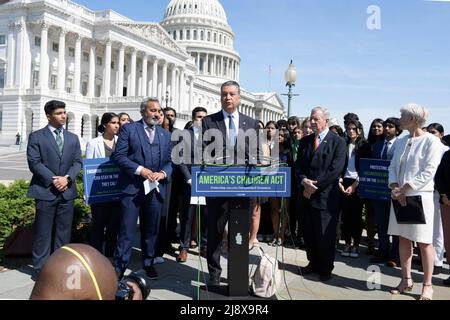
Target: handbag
<point>412,213</point>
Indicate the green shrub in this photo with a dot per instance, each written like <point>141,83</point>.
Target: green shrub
<point>16,210</point>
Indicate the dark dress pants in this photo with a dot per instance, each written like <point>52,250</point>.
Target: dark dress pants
<point>150,207</point>
<point>382,210</point>
<point>319,234</point>
<point>105,216</point>
<point>52,228</point>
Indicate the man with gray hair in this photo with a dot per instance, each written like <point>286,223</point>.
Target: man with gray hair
<point>320,162</point>
<point>143,154</point>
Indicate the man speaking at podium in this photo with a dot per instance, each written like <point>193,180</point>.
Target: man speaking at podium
<point>232,127</point>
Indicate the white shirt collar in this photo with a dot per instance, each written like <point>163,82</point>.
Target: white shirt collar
<point>323,134</point>
<point>52,128</point>
<point>235,114</point>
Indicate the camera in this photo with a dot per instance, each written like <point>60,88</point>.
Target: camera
<point>124,292</point>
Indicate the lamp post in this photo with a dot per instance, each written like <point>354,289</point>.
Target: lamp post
<point>290,76</point>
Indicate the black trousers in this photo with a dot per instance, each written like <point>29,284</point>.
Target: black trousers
<point>105,216</point>
<point>352,223</point>
<point>189,212</point>
<point>52,228</point>
<point>319,234</point>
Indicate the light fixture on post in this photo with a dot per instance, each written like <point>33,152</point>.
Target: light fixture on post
<point>290,76</point>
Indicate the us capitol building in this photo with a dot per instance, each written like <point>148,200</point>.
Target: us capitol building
<point>101,61</point>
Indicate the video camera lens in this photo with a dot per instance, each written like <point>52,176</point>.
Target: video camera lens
<point>124,292</point>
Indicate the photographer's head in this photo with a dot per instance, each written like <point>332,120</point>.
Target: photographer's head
<point>76,272</point>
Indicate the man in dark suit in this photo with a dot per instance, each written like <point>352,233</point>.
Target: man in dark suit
<point>194,139</point>
<point>320,161</point>
<point>143,154</point>
<point>229,128</point>
<point>54,158</point>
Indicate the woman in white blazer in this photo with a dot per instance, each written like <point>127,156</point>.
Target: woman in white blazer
<point>105,215</point>
<point>411,173</point>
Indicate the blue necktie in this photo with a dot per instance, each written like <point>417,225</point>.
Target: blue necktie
<point>233,134</point>
<point>59,141</point>
<point>151,134</point>
<point>385,151</point>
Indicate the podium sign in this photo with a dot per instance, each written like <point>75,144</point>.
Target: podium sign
<point>242,182</point>
<point>373,179</point>
<point>100,181</point>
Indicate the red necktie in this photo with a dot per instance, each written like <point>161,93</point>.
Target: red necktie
<point>316,143</point>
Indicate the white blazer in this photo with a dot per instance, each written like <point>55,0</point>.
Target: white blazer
<point>422,162</point>
<point>95,148</point>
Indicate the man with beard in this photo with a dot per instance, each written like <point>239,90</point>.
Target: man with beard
<point>143,154</point>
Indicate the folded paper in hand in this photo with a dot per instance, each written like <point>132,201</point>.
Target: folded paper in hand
<point>149,186</point>
<point>412,213</point>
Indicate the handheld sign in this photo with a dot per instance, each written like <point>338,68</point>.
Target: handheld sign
<point>100,181</point>
<point>374,179</point>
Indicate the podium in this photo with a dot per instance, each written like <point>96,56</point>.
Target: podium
<point>237,185</point>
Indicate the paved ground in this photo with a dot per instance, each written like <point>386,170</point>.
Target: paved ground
<point>179,281</point>
<point>13,164</point>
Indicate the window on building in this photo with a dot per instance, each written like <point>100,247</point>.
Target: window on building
<point>37,41</point>
<point>69,83</point>
<point>82,127</point>
<point>188,34</point>
<point>220,39</point>
<point>53,82</point>
<point>181,34</point>
<point>99,61</point>
<point>112,64</point>
<point>2,77</point>
<point>124,68</point>
<point>86,56</point>
<point>209,36</point>
<point>71,52</point>
<point>2,39</point>
<point>55,47</point>
<point>195,34</point>
<point>202,35</point>
<point>215,37</point>
<point>35,79</point>
<point>98,90</point>
<point>175,35</point>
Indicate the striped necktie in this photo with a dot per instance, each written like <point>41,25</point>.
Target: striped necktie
<point>59,140</point>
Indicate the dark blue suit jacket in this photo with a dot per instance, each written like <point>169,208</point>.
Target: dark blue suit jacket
<point>45,162</point>
<point>324,166</point>
<point>133,150</point>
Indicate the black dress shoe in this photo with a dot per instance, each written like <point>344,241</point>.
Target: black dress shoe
<point>151,273</point>
<point>446,282</point>
<point>214,281</point>
<point>307,270</point>
<point>325,276</point>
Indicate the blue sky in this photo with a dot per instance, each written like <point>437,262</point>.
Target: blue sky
<point>341,64</point>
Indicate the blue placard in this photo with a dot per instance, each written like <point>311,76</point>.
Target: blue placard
<point>100,181</point>
<point>374,179</point>
<point>244,182</point>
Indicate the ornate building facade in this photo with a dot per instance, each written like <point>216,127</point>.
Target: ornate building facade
<point>100,61</point>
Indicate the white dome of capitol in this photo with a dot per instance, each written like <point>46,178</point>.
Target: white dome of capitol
<point>196,8</point>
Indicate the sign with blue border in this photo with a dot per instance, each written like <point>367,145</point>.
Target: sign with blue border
<point>100,178</point>
<point>244,182</point>
<point>374,179</point>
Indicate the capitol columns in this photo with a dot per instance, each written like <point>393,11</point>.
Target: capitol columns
<point>21,64</point>
<point>132,83</point>
<point>144,74</point>
<point>191,93</point>
<point>91,84</point>
<point>198,63</point>
<point>10,57</point>
<point>43,68</point>
<point>214,70</point>
<point>222,73</point>
<point>107,70</point>
<point>164,80</point>
<point>62,60</point>
<point>77,75</point>
<point>182,95</point>
<point>155,78</point>
<point>120,70</point>
<point>173,85</point>
<point>206,65</point>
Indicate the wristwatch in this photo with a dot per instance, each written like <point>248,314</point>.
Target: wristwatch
<point>69,179</point>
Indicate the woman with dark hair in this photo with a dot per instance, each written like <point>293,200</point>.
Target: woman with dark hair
<point>352,223</point>
<point>281,221</point>
<point>124,118</point>
<point>375,135</point>
<point>105,216</point>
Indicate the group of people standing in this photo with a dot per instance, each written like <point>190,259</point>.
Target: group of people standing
<point>325,162</point>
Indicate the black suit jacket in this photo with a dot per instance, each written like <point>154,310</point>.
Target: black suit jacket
<point>244,153</point>
<point>195,156</point>
<point>324,166</point>
<point>45,162</point>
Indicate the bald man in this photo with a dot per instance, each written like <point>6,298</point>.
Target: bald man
<point>78,272</point>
